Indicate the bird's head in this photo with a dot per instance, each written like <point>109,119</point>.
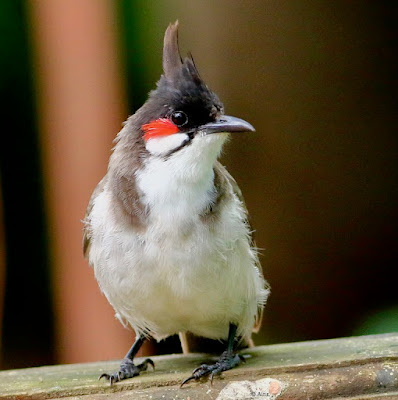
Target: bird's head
<point>183,111</point>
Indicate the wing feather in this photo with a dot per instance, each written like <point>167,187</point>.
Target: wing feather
<point>226,176</point>
<point>86,221</point>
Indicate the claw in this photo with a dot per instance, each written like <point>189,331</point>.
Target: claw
<point>186,381</point>
<point>198,368</point>
<point>103,376</point>
<point>144,365</point>
<point>211,378</point>
<point>111,378</point>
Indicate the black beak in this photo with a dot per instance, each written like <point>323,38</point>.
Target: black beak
<point>225,123</point>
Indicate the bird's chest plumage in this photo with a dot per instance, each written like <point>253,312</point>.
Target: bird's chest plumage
<point>166,278</point>
<point>185,251</point>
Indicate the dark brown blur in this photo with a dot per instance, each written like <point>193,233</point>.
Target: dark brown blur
<point>316,78</point>
<point>318,81</point>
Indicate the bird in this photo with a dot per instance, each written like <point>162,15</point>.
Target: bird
<point>167,231</point>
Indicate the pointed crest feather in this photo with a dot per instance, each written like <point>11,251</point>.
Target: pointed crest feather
<point>171,53</point>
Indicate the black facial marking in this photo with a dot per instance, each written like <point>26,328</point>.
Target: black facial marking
<point>183,98</point>
<point>185,143</point>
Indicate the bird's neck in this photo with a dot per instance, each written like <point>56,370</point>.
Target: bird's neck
<point>181,187</point>
<point>175,187</point>
<point>171,189</point>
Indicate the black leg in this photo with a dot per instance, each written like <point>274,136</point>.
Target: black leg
<point>135,347</point>
<point>231,337</point>
<point>127,368</point>
<point>227,360</point>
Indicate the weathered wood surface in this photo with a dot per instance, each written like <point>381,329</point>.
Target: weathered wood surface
<point>360,367</point>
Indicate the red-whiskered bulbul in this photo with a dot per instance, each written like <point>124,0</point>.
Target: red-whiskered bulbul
<point>166,229</point>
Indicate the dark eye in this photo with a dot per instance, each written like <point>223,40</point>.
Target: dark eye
<point>179,118</point>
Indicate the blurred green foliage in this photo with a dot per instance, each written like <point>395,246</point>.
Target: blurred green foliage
<point>380,321</point>
<point>140,48</point>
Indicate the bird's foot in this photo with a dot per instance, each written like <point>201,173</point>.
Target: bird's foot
<point>127,370</point>
<point>228,360</point>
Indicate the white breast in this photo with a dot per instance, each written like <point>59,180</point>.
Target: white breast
<point>181,273</point>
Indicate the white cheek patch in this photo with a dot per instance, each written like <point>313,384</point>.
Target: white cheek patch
<point>162,145</point>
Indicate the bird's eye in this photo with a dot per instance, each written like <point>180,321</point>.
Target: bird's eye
<point>179,118</point>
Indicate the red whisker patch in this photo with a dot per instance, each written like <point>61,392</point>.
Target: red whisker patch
<point>159,127</point>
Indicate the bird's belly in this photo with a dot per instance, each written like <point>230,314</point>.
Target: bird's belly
<point>163,284</point>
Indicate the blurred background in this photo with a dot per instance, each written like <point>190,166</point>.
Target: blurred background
<point>316,78</point>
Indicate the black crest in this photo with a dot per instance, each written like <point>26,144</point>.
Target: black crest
<point>173,64</point>
<point>172,61</point>
<point>180,88</point>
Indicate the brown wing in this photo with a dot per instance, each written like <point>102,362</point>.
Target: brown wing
<point>86,220</point>
<point>222,172</point>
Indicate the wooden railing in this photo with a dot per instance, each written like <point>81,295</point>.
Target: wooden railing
<point>351,368</point>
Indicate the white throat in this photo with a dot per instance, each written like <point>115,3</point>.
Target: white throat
<point>178,188</point>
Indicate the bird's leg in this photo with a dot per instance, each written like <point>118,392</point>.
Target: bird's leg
<point>227,360</point>
<point>127,368</point>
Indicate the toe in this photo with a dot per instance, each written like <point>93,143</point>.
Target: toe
<point>111,378</point>
<point>144,365</point>
<point>199,373</point>
<point>227,361</point>
<point>187,380</point>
